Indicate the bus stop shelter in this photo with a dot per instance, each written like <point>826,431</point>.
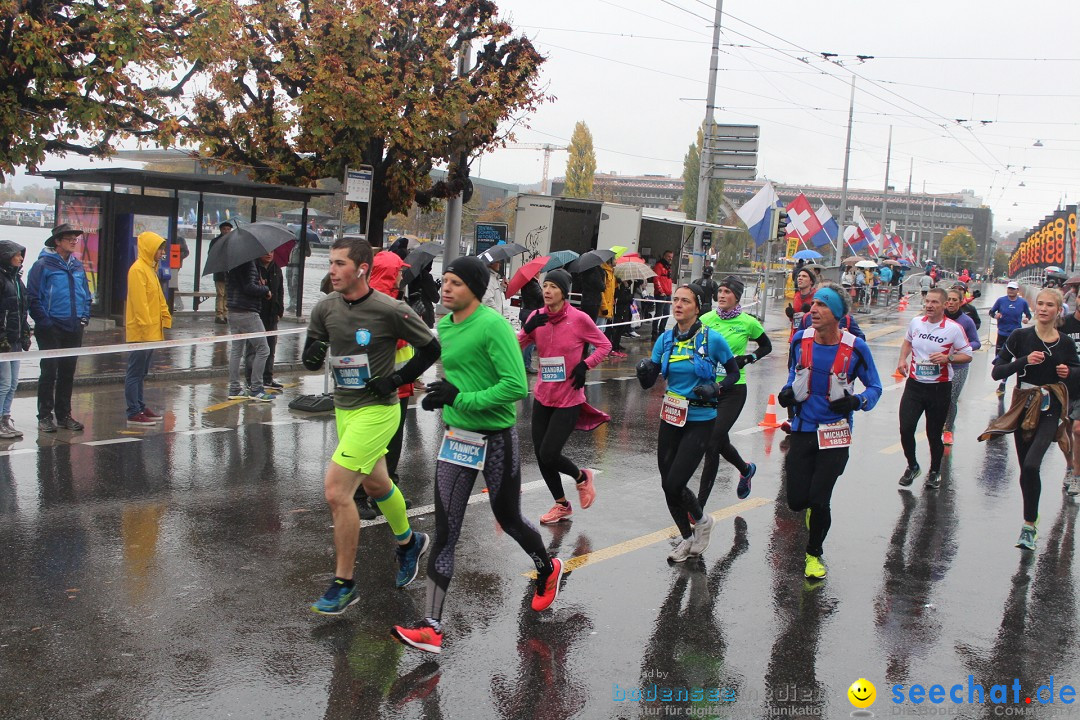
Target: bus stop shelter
<point>111,219</point>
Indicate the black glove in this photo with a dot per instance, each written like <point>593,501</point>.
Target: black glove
<point>5,344</point>
<point>786,397</point>
<point>315,354</point>
<point>745,360</point>
<point>439,394</point>
<point>790,312</point>
<point>708,392</point>
<point>847,404</point>
<point>647,372</point>
<point>26,342</point>
<point>384,387</point>
<point>537,319</point>
<point>578,375</point>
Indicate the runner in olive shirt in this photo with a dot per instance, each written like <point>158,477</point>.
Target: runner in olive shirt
<point>738,328</point>
<point>361,327</point>
<point>485,378</point>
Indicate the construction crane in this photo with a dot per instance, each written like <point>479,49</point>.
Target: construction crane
<point>548,148</point>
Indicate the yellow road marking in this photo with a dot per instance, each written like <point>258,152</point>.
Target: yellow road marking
<point>222,405</point>
<point>638,543</point>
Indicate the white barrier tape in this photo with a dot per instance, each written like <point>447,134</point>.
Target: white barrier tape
<point>128,347</point>
<point>643,321</point>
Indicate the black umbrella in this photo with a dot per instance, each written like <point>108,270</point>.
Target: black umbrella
<point>591,259</point>
<point>245,244</point>
<point>501,253</point>
<point>420,258</point>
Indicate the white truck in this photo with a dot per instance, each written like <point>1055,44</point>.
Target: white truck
<point>544,224</point>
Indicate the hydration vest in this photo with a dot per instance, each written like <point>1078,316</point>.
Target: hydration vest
<point>839,378</point>
<point>704,366</point>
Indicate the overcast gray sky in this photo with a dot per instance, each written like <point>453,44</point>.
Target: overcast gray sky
<point>635,71</point>
<point>627,67</point>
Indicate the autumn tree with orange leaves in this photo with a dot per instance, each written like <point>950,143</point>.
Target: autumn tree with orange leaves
<point>77,76</point>
<point>303,89</point>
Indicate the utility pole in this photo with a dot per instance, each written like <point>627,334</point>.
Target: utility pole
<point>907,206</point>
<point>452,228</point>
<point>885,195</point>
<point>847,166</point>
<point>705,169</point>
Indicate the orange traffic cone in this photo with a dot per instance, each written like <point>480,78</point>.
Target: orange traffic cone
<point>770,414</point>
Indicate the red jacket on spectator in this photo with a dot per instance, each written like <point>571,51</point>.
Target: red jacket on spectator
<point>662,281</point>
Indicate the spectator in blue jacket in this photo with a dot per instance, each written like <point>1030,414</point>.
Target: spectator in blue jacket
<point>60,300</point>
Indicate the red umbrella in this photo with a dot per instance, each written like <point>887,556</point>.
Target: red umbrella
<point>527,272</point>
<point>630,257</point>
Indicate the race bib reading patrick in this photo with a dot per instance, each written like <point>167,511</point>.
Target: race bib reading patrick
<point>927,370</point>
<point>350,371</point>
<point>674,409</point>
<point>834,435</point>
<point>463,448</point>
<point>552,369</point>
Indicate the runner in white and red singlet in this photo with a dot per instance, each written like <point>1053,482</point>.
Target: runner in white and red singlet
<point>933,344</point>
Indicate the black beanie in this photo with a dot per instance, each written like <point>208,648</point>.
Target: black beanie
<point>699,293</point>
<point>561,278</point>
<point>735,285</point>
<point>473,272</point>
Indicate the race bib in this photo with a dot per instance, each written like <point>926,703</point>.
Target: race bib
<point>463,448</point>
<point>928,370</point>
<point>552,369</point>
<point>834,435</point>
<point>674,410</point>
<point>350,371</point>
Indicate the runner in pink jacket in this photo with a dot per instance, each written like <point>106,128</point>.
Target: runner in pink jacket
<point>561,334</point>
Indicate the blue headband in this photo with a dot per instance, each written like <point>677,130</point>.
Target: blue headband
<point>831,298</point>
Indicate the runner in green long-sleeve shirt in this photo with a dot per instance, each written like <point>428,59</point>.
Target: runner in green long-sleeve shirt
<point>485,378</point>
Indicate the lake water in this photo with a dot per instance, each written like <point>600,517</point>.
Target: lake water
<point>31,238</point>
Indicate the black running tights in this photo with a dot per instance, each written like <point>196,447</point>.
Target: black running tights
<point>551,428</point>
<point>811,475</point>
<point>453,485</point>
<point>727,412</point>
<point>678,452</point>
<point>1030,453</point>
<point>933,399</point>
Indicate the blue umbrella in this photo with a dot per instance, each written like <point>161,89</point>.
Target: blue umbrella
<point>807,255</point>
<point>559,258</point>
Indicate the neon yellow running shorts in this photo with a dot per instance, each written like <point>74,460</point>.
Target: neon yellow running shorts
<point>363,434</point>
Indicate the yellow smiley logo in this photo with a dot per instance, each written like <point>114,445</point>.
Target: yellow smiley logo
<point>862,693</point>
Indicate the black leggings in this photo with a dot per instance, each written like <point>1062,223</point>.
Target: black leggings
<point>678,452</point>
<point>453,485</point>
<point>393,448</point>
<point>727,412</point>
<point>933,399</point>
<point>811,475</point>
<point>551,428</point>
<point>1030,454</point>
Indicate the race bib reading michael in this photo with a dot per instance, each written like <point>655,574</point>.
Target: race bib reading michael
<point>463,448</point>
<point>350,371</point>
<point>834,435</point>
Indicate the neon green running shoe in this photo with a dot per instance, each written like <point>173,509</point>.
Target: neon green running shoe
<point>815,569</point>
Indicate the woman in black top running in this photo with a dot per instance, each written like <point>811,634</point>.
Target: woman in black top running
<point>1048,369</point>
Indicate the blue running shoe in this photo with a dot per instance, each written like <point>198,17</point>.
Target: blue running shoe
<point>336,599</point>
<point>409,560</point>
<point>743,491</point>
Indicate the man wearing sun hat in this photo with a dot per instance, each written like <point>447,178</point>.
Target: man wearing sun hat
<point>60,298</point>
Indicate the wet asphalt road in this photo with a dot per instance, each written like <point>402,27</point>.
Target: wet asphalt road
<point>167,574</point>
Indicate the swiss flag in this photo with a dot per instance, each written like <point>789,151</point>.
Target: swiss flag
<point>802,220</point>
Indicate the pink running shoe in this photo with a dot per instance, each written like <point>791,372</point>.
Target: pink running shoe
<point>557,514</point>
<point>586,489</point>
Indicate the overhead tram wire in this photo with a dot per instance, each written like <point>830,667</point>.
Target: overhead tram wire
<point>947,124</point>
<point>653,17</point>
